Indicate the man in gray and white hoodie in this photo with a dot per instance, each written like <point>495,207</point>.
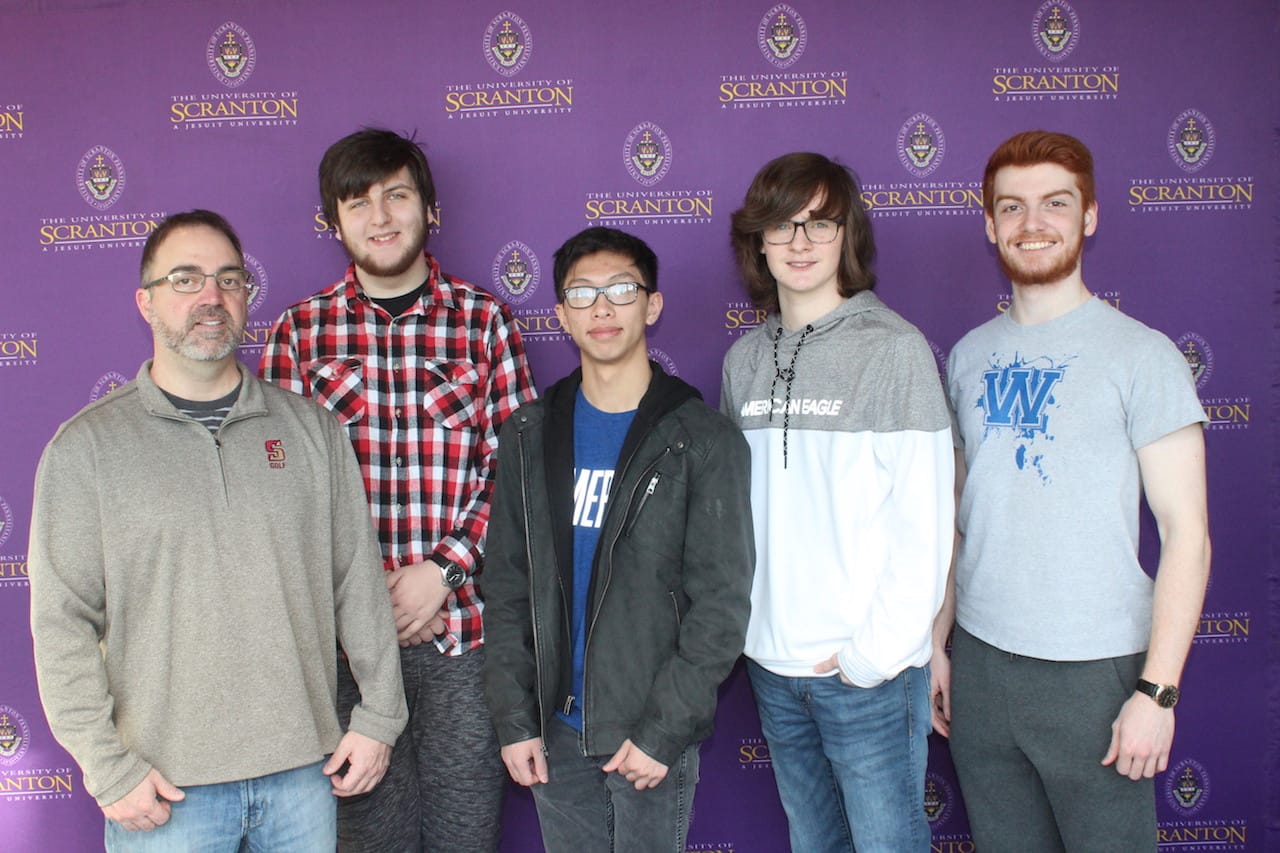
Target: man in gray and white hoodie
<point>852,497</point>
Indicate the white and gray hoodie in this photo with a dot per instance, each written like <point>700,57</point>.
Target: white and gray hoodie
<point>851,490</point>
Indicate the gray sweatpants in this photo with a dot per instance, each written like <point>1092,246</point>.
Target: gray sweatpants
<point>1027,738</point>
<point>444,789</point>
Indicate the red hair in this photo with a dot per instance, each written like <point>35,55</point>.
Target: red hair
<point>1033,147</point>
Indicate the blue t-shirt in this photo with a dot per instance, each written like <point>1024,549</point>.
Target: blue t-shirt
<point>597,441</point>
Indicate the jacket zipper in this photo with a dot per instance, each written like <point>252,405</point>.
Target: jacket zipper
<point>533,610</point>
<point>217,444</point>
<point>649,490</point>
<point>608,575</point>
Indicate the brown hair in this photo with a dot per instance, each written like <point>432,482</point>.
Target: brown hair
<point>188,219</point>
<point>358,161</point>
<point>786,185</point>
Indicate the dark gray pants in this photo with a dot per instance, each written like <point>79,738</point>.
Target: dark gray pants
<point>1028,737</point>
<point>582,810</point>
<point>443,791</point>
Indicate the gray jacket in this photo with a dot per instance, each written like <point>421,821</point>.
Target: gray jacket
<point>670,588</point>
<point>188,591</point>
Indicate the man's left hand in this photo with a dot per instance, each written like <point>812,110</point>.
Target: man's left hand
<point>632,764</point>
<point>369,760</point>
<point>1141,737</point>
<point>832,664</point>
<point>418,595</point>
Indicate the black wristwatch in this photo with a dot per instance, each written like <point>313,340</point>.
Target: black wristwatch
<point>1166,695</point>
<point>453,575</point>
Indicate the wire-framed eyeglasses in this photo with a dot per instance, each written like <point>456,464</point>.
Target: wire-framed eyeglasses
<point>618,293</point>
<point>230,280</point>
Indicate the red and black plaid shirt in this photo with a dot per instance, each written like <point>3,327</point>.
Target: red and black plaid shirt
<point>422,396</point>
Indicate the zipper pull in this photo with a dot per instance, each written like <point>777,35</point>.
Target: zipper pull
<point>644,498</point>
<point>568,706</point>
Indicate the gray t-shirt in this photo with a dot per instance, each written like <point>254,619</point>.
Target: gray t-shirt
<point>1050,417</point>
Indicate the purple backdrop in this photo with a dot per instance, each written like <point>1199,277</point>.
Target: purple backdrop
<point>548,116</point>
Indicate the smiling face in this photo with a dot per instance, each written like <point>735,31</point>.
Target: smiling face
<point>384,230</point>
<point>608,334</point>
<point>805,271</point>
<point>1038,223</point>
<point>203,326</point>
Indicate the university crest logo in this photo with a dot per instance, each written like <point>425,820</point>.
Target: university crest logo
<point>516,272</point>
<point>508,44</point>
<point>6,521</point>
<point>667,362</point>
<point>782,36</point>
<point>259,286</point>
<point>937,799</point>
<point>1187,787</point>
<point>107,382</point>
<point>100,177</point>
<point>15,736</point>
<point>1191,140</point>
<point>231,55</point>
<point>921,145</point>
<point>647,153</point>
<point>1199,356</point>
<point>1055,30</point>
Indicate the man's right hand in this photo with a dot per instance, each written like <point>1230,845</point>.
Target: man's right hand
<point>146,806</point>
<point>526,762</point>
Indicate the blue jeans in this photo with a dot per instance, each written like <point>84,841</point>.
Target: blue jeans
<point>849,761</point>
<point>288,812</point>
<point>581,809</point>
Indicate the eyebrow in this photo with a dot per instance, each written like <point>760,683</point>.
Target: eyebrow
<point>1054,194</point>
<point>195,268</point>
<point>616,278</point>
<point>368,191</point>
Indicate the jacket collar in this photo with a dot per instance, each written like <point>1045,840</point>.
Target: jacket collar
<point>664,394</point>
<point>252,401</point>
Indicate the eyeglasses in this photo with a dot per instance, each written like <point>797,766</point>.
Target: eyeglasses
<point>618,293</point>
<point>816,230</point>
<point>230,280</point>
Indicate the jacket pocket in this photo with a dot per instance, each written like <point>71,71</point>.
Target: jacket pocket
<point>338,385</point>
<point>452,396</point>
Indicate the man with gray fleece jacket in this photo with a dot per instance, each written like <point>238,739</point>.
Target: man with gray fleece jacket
<point>200,543</point>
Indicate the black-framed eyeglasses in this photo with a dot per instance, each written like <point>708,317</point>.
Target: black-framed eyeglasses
<point>816,230</point>
<point>230,280</point>
<point>618,293</point>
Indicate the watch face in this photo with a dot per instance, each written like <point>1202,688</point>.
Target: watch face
<point>454,576</point>
<point>1167,696</point>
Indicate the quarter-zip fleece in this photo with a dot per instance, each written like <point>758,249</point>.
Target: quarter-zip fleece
<point>188,593</point>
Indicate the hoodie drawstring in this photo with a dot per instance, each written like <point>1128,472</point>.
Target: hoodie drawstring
<point>787,375</point>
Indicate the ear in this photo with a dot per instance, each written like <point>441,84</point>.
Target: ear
<point>560,316</point>
<point>142,297</point>
<point>654,309</point>
<point>991,227</point>
<point>1091,219</point>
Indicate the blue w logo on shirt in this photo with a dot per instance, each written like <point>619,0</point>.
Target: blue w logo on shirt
<point>1016,396</point>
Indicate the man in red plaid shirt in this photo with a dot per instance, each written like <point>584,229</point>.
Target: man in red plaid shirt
<point>422,369</point>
